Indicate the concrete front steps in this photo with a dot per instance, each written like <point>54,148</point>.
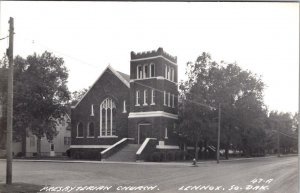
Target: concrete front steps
<point>126,154</point>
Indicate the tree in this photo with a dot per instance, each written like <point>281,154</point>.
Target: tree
<point>76,96</point>
<point>240,94</point>
<point>285,126</point>
<point>195,114</point>
<point>40,95</point>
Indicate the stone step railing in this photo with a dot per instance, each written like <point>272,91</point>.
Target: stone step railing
<point>115,148</point>
<point>148,146</point>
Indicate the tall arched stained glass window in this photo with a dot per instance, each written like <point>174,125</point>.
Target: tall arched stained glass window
<point>108,118</point>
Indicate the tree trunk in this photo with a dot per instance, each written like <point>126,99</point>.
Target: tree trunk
<point>227,150</point>
<point>205,149</point>
<point>184,151</point>
<point>24,145</point>
<point>196,150</point>
<point>38,143</point>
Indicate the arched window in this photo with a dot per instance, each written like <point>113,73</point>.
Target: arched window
<point>91,130</point>
<point>165,98</point>
<point>169,99</point>
<point>80,130</point>
<point>124,107</point>
<point>173,74</point>
<point>166,71</point>
<point>145,97</point>
<point>137,98</point>
<point>173,100</point>
<point>166,133</point>
<point>107,117</point>
<point>146,74</point>
<point>92,110</point>
<point>152,70</point>
<point>139,72</point>
<point>153,97</point>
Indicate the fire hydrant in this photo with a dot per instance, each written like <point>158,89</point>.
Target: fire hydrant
<point>194,162</point>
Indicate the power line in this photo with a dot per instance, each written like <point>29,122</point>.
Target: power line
<point>4,38</point>
<point>201,104</point>
<point>288,135</point>
<point>83,62</point>
<point>58,52</point>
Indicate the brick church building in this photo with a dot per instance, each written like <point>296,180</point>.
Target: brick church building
<point>120,108</point>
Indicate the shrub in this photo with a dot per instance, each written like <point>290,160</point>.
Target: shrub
<point>148,158</point>
<point>20,154</point>
<point>171,156</point>
<point>156,156</point>
<point>179,155</point>
<point>68,153</point>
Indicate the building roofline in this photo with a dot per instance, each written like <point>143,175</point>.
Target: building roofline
<point>114,72</point>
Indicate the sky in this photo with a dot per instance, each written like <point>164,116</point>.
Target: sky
<point>260,37</point>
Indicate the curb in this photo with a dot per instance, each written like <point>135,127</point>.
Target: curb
<point>147,163</point>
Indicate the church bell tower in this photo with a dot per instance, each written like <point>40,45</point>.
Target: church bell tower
<point>153,96</point>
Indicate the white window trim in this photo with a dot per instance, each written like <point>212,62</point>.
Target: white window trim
<point>169,99</point>
<point>173,74</point>
<point>166,71</point>
<point>77,132</point>
<point>92,110</point>
<point>124,106</point>
<point>157,77</point>
<point>150,70</point>
<point>145,97</point>
<point>173,101</point>
<point>144,71</point>
<point>108,136</point>
<point>109,105</point>
<point>137,72</point>
<point>152,114</point>
<point>137,97</point>
<point>166,133</point>
<point>100,121</point>
<point>88,131</point>
<point>152,97</point>
<point>165,102</point>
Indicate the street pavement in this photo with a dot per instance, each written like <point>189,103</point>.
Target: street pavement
<point>265,175</point>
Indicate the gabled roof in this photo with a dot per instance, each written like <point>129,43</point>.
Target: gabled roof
<point>123,77</point>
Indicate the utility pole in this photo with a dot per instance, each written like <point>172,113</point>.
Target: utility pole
<point>278,143</point>
<point>10,103</point>
<point>219,131</point>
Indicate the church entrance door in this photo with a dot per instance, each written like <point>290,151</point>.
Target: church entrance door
<point>144,131</point>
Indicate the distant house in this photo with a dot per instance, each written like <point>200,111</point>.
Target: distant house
<point>57,147</point>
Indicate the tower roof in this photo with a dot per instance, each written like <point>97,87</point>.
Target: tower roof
<point>154,53</point>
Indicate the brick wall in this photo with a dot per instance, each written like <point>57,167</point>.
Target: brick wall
<point>107,86</point>
<point>158,125</point>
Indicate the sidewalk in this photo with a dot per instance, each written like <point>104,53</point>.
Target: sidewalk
<point>186,163</point>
